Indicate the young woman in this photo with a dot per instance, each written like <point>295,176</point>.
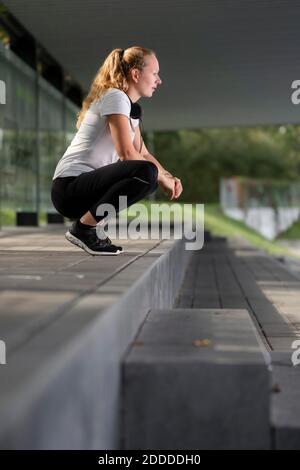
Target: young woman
<point>107,158</point>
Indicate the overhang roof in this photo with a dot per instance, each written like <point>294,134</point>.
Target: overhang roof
<point>222,62</point>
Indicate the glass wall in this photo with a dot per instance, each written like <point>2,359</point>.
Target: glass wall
<point>36,124</point>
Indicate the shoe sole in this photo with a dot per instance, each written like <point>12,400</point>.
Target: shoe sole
<point>83,246</point>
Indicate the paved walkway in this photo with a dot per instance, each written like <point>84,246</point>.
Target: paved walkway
<point>237,275</point>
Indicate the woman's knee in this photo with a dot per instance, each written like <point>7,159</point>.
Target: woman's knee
<point>149,173</point>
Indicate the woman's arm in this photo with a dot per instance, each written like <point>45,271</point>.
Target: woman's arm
<point>118,124</point>
<point>161,170</point>
<point>164,176</point>
<point>147,155</point>
<point>126,149</point>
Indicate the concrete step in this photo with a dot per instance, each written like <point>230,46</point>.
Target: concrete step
<point>60,388</point>
<point>285,403</point>
<point>196,379</point>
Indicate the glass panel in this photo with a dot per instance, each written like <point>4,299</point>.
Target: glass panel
<point>26,156</point>
<point>18,152</point>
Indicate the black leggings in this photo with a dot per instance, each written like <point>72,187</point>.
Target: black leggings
<point>73,196</point>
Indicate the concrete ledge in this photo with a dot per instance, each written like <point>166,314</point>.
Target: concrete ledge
<point>196,379</point>
<point>285,403</point>
<point>61,389</point>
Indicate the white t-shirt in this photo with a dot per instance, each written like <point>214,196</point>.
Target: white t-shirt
<point>92,145</point>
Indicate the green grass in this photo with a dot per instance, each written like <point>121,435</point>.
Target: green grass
<point>219,224</point>
<point>293,233</point>
<point>8,217</point>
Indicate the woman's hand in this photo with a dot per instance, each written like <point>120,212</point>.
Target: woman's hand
<point>167,184</point>
<point>170,185</point>
<point>178,187</point>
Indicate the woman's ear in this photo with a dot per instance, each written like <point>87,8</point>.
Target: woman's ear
<point>135,75</point>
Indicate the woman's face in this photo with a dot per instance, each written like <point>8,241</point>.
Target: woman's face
<point>148,79</point>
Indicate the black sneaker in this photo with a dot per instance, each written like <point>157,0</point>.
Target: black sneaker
<point>88,240</point>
